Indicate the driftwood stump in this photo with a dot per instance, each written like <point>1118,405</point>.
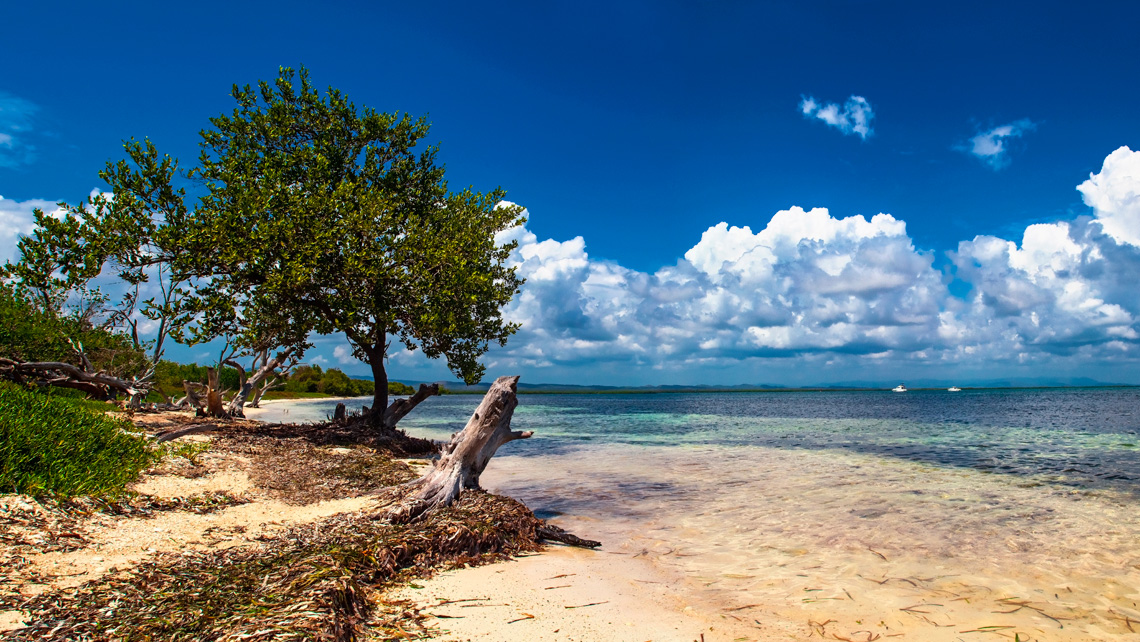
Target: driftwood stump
<point>214,407</point>
<point>466,456</point>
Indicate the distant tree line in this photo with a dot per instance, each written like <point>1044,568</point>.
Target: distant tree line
<point>311,378</point>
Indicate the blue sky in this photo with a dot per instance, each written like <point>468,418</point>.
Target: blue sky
<point>631,132</point>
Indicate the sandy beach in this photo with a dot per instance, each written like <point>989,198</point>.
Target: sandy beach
<point>561,593</point>
<point>793,544</point>
<point>566,594</point>
<point>703,542</point>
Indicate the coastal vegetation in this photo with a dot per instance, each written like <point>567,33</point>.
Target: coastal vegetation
<point>307,215</point>
<point>310,216</point>
<point>64,446</point>
<point>331,382</point>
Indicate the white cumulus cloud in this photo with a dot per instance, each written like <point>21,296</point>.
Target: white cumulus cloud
<point>992,147</point>
<point>1114,195</point>
<point>806,287</point>
<point>343,356</point>
<point>1065,289</point>
<point>853,117</point>
<point>16,221</point>
<point>806,282</point>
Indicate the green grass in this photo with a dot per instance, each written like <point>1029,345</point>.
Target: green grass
<point>188,450</point>
<point>62,446</point>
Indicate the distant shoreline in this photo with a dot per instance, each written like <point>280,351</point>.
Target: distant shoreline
<point>556,389</point>
<point>657,391</point>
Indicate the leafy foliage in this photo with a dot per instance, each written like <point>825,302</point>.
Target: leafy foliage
<point>397,388</point>
<point>341,221</point>
<point>28,333</point>
<point>131,235</point>
<point>330,382</point>
<point>31,332</point>
<point>130,241</point>
<point>51,444</point>
<point>314,216</point>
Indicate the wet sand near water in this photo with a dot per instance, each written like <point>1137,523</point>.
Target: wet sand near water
<point>801,544</point>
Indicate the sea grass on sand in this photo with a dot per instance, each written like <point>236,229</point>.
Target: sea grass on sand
<point>350,433</point>
<point>315,581</point>
<point>296,464</point>
<point>50,524</point>
<point>321,580</point>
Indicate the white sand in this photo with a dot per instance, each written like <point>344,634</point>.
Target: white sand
<point>566,594</point>
<point>560,594</point>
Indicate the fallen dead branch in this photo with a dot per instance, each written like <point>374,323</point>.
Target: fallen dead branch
<point>465,458</point>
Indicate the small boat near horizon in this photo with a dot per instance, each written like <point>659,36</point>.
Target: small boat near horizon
<point>899,388</point>
<point>953,389</point>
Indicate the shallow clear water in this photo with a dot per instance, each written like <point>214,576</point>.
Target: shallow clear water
<point>1080,437</point>
<point>998,514</point>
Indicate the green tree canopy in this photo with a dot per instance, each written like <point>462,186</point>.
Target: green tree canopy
<point>341,220</point>
<point>312,216</point>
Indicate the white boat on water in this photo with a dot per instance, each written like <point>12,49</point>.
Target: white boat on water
<point>953,389</point>
<point>899,388</point>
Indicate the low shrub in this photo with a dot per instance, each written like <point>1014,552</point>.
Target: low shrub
<point>56,445</point>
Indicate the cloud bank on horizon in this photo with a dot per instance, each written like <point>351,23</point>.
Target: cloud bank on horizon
<point>810,288</point>
<point>848,291</point>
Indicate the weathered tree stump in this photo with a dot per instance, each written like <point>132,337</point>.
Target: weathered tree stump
<point>466,456</point>
<point>214,407</point>
<point>194,395</point>
<point>257,376</point>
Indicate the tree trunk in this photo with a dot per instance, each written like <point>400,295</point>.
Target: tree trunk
<point>268,367</point>
<point>98,385</point>
<point>467,455</point>
<point>380,394</point>
<point>269,385</point>
<point>193,396</point>
<point>134,402</point>
<point>234,407</point>
<point>214,407</point>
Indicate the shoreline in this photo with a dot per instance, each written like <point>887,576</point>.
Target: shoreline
<point>815,544</point>
<point>611,586</point>
<point>785,543</point>
<point>761,543</point>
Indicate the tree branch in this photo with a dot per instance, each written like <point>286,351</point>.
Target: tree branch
<point>65,372</point>
<point>401,407</point>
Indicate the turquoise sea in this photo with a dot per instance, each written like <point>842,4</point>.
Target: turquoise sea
<point>926,515</point>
